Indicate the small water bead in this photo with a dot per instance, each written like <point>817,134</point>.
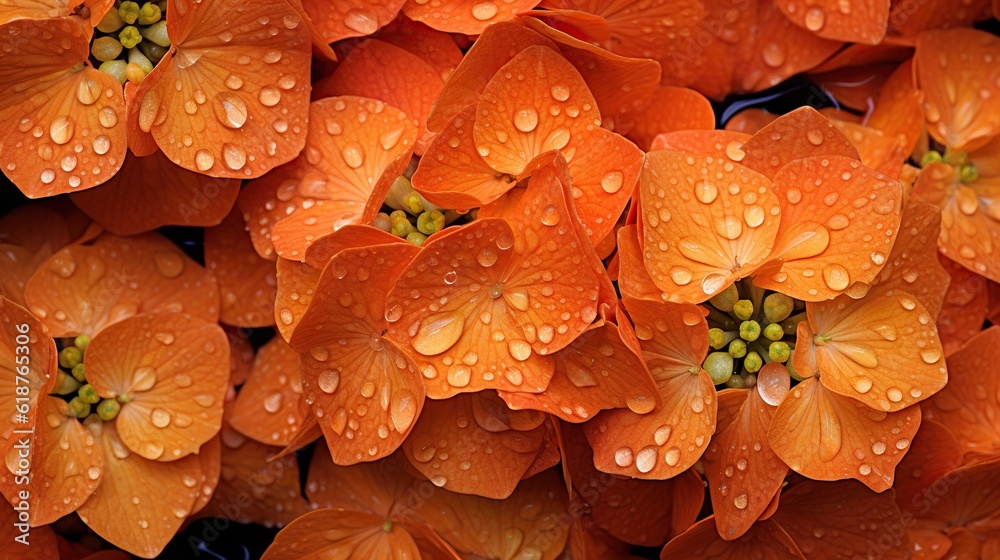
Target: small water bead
<point>525,120</point>
<point>484,10</point>
<point>612,182</point>
<point>623,457</point>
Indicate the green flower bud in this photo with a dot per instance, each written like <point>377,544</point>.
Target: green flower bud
<point>382,221</point>
<point>932,156</point>
<point>89,395</point>
<point>108,409</point>
<point>738,348</point>
<point>115,69</point>
<point>753,362</point>
<point>136,56</point>
<point>749,330</point>
<point>79,373</point>
<point>726,299</point>
<point>413,202</point>
<point>82,342</point>
<point>431,222</point>
<point>69,357</point>
<point>416,238</point>
<point>135,73</point>
<point>790,366</point>
<point>106,48</point>
<point>156,33</point>
<point>719,366</point>
<point>129,37</point>
<point>398,215</point>
<point>129,12</point>
<point>736,382</point>
<point>743,309</point>
<point>777,307</point>
<point>111,22</point>
<point>968,174</point>
<point>402,228</point>
<point>750,381</point>
<point>716,338</point>
<point>152,51</point>
<point>79,408</point>
<point>774,332</point>
<point>149,14</point>
<point>65,384</point>
<point>779,352</point>
<point>956,158</point>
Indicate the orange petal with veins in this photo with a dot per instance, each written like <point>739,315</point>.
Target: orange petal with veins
<point>671,437</point>
<point>839,220</point>
<point>934,453</point>
<point>765,541</point>
<point>124,509</point>
<point>265,201</point>
<point>471,444</point>
<point>357,147</point>
<point>878,150</point>
<point>749,121</point>
<point>972,397</point>
<point>258,106</point>
<point>494,48</point>
<point>965,308</point>
<point>743,472</point>
<point>633,279</point>
<point>380,70</point>
<point>659,510</point>
<point>968,497</point>
<point>488,528</point>
<point>71,121</point>
<point>267,408</point>
<point>882,350</point>
<point>382,488</point>
<point>362,386</point>
<point>520,119</point>
<point>84,288</point>
<point>210,458</point>
<point>247,282</point>
<point>833,520</point>
<point>335,533</point>
<point>683,195</point>
<point>38,374</point>
<point>672,109</point>
<point>898,108</point>
<point>952,72</point>
<point>354,19</point>
<point>601,369</point>
<point>61,478</point>
<point>436,48</point>
<point>907,21</point>
<point>499,322</point>
<point>296,289</point>
<point>720,143</point>
<point>825,436</point>
<point>452,173</point>
<point>648,30</point>
<point>802,133</point>
<point>252,487</point>
<point>912,265</point>
<point>864,22</point>
<point>347,237</point>
<point>622,86</point>
<point>150,192</point>
<point>174,370</point>
<point>470,17</point>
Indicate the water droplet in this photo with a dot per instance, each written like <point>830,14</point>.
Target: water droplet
<point>815,19</point>
<point>143,379</point>
<point>269,96</point>
<point>559,92</point>
<point>61,130</point>
<point>645,460</point>
<point>360,20</point>
<point>550,216</point>
<point>484,10</point>
<point>204,160</point>
<point>894,394</point>
<point>438,333</point>
<point>623,457</point>
<point>388,140</point>
<point>740,501</point>
<point>836,277</point>
<point>519,349</point>
<point>526,119</point>
<point>93,473</point>
<point>930,356</point>
<point>487,257</point>
<point>672,456</point>
<point>230,110</point>
<point>662,434</point>
<point>459,375</point>
<point>403,410</point>
<point>706,192</point>
<point>774,55</point>
<point>234,156</point>
<point>878,448</point>
<point>160,417</point>
<point>354,155</point>
<point>734,150</point>
<point>612,182</point>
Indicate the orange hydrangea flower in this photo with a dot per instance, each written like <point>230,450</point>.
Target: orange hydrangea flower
<point>155,375</point>
<point>230,121</point>
<point>962,115</point>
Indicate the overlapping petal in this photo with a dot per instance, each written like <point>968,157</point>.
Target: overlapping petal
<point>269,407</point>
<point>247,282</point>
<point>471,17</point>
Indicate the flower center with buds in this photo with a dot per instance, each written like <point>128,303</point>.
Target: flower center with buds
<point>748,328</point>
<point>130,40</point>
<point>71,383</point>
<point>968,173</point>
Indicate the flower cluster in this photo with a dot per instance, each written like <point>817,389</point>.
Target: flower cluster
<point>524,280</point>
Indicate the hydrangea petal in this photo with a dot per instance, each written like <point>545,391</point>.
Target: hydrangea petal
<point>71,121</point>
<point>864,22</point>
<point>353,19</point>
<point>174,369</point>
<point>247,282</point>
<point>765,540</point>
<point>470,17</point>
<point>268,407</point>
